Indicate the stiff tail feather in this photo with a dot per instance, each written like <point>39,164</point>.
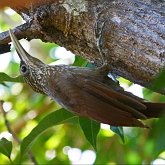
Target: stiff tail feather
<point>154,110</point>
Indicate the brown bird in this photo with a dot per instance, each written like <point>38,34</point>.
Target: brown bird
<point>88,92</point>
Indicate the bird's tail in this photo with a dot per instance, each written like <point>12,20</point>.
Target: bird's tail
<point>154,110</point>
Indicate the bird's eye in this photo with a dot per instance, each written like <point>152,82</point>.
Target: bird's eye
<point>24,69</point>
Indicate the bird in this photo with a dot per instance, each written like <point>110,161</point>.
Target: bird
<point>87,92</point>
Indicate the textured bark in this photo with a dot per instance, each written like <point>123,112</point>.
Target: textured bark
<point>129,34</point>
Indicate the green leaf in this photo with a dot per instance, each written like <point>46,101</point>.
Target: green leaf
<point>159,135</point>
<point>4,77</point>
<point>4,84</point>
<point>91,129</point>
<point>159,81</point>
<point>119,131</point>
<point>5,147</point>
<point>79,61</point>
<point>57,117</point>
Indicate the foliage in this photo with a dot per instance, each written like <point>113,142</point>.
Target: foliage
<point>29,114</point>
<point>91,129</point>
<point>5,147</point>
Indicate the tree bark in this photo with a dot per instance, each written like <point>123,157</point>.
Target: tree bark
<point>129,34</point>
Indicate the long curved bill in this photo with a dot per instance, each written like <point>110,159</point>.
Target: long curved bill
<point>24,56</point>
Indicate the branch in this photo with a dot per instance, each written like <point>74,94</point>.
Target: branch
<point>31,156</point>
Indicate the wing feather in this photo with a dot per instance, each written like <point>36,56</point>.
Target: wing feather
<point>96,101</point>
<point>114,98</point>
<point>107,113</point>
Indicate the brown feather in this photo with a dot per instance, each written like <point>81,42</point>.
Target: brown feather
<point>115,98</point>
<point>87,100</point>
<point>154,110</point>
<point>86,92</point>
<point>105,112</point>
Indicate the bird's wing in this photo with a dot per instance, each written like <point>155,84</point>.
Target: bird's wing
<point>108,106</point>
<point>96,100</point>
<point>104,104</point>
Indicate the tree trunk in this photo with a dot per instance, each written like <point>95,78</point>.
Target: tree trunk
<point>129,34</point>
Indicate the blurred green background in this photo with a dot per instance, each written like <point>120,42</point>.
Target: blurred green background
<point>66,143</point>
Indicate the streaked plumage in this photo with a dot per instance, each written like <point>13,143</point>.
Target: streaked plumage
<point>86,91</point>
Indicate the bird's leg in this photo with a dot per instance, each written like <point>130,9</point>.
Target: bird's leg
<point>68,19</point>
<point>98,40</point>
<point>98,33</point>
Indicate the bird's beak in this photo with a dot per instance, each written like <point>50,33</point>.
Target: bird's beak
<point>24,56</point>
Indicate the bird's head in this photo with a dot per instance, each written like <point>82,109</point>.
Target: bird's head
<point>31,68</point>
